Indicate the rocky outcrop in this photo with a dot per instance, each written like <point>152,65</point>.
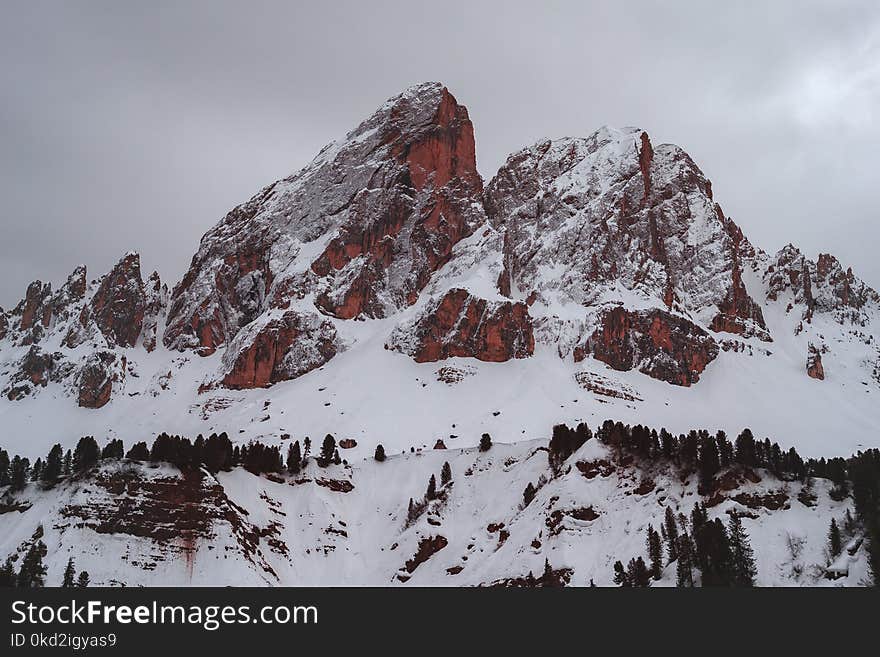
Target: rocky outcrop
<point>583,217</point>
<point>280,348</point>
<point>657,343</point>
<point>96,378</point>
<point>155,301</point>
<point>36,309</point>
<point>814,363</point>
<point>362,227</point>
<point>35,370</point>
<point>822,286</point>
<point>465,326</point>
<point>118,305</point>
<point>4,324</point>
<point>737,312</point>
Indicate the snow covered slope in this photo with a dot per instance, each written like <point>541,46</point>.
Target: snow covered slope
<point>136,524</point>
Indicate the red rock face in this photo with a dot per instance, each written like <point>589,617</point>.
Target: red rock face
<point>35,308</point>
<point>661,345</point>
<point>464,326</point>
<point>738,312</point>
<point>814,363</point>
<point>391,199</point>
<point>283,348</point>
<point>96,379</point>
<point>820,287</point>
<point>438,160</point>
<point>118,304</point>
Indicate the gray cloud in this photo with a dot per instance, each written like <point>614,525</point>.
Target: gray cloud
<point>138,125</point>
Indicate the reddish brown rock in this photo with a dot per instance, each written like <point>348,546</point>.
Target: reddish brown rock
<point>36,309</point>
<point>118,304</point>
<point>820,287</point>
<point>428,547</point>
<point>438,159</point>
<point>738,313</point>
<point>461,325</point>
<point>37,366</point>
<point>814,363</point>
<point>348,443</point>
<point>282,348</point>
<point>659,344</point>
<point>96,379</point>
<point>392,198</point>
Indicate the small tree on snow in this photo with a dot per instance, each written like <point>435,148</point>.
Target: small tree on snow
<point>446,474</point>
<point>69,575</point>
<point>834,540</point>
<point>485,442</point>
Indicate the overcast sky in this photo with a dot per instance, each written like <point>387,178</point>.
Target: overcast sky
<point>138,125</point>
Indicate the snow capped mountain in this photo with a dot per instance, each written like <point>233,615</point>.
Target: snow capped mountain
<point>332,294</point>
<point>384,294</point>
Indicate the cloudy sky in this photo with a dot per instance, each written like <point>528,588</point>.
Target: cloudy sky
<point>138,125</point>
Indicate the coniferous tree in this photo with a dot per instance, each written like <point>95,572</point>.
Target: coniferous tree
<point>294,458</point>
<point>698,517</point>
<point>709,463</point>
<point>485,442</point>
<point>86,454</point>
<point>114,450</point>
<point>54,466</point>
<point>873,549</point>
<point>671,531</point>
<point>7,574</point>
<point>713,554</point>
<point>684,565</point>
<point>327,449</point>
<point>380,453</point>
<point>547,577</point>
<point>37,470</point>
<point>655,552</point>
<point>19,469</point>
<point>138,452</point>
<point>445,474</point>
<point>834,540</point>
<point>69,575</point>
<point>637,573</point>
<point>83,580</point>
<point>336,459</point>
<point>68,462</point>
<point>620,576</point>
<point>4,468</point>
<point>32,572</point>
<point>742,558</point>
<point>307,449</point>
<point>431,493</point>
<point>413,511</point>
<point>529,494</point>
